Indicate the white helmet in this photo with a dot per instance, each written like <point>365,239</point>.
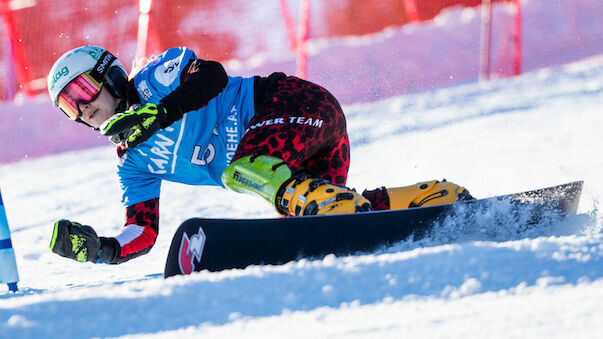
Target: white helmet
<point>77,61</point>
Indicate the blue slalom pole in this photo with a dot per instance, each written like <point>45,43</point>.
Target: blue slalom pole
<point>8,263</point>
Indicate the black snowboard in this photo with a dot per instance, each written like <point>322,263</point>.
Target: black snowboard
<point>218,244</point>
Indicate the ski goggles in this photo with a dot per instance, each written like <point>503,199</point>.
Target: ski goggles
<point>85,88</point>
<point>82,89</point>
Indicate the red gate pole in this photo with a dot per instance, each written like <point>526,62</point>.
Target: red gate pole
<point>144,8</point>
<point>19,55</point>
<point>289,24</point>
<point>517,60</point>
<point>411,10</point>
<point>485,37</point>
<point>302,42</point>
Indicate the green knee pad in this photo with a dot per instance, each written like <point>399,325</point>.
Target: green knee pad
<point>263,175</point>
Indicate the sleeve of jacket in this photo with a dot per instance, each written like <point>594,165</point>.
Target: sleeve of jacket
<point>138,235</point>
<point>200,82</point>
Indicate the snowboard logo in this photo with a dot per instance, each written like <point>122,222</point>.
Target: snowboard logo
<point>191,249</point>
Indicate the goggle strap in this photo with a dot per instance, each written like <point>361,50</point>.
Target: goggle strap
<point>102,66</point>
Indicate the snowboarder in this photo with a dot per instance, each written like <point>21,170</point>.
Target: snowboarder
<point>183,119</point>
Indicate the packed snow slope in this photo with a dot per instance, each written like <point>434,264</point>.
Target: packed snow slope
<point>469,280</point>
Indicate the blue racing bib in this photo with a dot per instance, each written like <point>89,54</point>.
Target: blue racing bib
<point>194,150</point>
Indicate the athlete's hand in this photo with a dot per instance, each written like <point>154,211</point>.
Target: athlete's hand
<point>75,241</point>
<point>134,126</point>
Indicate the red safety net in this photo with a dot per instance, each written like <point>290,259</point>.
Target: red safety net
<point>35,33</point>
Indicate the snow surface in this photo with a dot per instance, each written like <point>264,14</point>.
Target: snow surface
<point>537,130</point>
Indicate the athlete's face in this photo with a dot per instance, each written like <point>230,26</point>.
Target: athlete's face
<point>94,113</point>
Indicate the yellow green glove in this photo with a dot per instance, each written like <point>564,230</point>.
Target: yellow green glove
<point>134,126</point>
<point>75,241</point>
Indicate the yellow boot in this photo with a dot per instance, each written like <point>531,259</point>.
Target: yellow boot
<point>428,193</point>
<point>309,196</point>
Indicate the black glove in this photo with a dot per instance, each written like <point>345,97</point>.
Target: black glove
<point>74,241</point>
<point>134,126</point>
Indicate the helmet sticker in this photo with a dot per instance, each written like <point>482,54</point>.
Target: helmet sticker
<point>62,72</point>
<point>95,52</point>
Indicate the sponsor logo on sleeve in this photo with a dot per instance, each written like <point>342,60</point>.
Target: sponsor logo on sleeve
<point>167,72</point>
<point>144,91</point>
